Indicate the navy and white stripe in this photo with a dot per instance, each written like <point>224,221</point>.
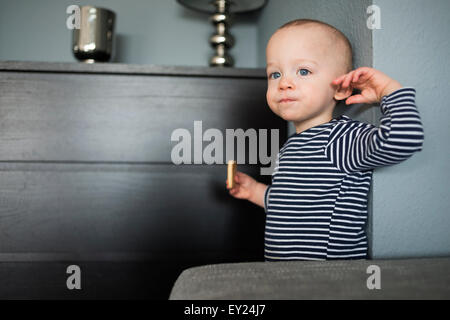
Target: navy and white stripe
<point>317,203</point>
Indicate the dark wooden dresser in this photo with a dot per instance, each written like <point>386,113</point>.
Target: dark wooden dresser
<point>86,177</point>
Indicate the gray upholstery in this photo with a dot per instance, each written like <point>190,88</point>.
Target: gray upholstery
<point>425,278</point>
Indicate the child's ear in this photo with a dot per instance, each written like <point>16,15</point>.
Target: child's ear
<point>342,94</point>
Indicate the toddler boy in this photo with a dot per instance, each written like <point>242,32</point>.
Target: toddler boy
<point>316,206</point>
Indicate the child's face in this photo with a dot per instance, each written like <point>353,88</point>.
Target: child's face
<point>300,69</point>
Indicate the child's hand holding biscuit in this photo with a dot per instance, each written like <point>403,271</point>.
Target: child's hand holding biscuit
<point>244,186</point>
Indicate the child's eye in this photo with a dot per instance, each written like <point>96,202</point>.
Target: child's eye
<point>304,72</point>
<point>274,75</point>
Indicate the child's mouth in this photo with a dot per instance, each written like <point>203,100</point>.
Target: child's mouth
<point>286,100</point>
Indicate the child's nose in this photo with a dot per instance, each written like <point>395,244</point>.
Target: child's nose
<point>285,83</point>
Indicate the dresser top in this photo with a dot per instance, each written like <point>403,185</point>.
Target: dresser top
<point>137,69</point>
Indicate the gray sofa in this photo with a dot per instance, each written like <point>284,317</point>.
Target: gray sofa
<point>419,278</point>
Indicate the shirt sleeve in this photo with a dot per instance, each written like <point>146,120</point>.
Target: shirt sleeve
<point>266,197</point>
<point>357,146</point>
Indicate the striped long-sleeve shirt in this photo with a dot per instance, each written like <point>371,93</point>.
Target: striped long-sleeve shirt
<point>316,206</point>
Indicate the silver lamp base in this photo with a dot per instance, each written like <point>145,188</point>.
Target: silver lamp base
<point>221,11</point>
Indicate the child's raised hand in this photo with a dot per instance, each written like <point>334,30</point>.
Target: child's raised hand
<point>243,186</point>
<point>372,83</point>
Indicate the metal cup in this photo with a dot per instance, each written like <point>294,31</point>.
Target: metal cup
<point>93,42</point>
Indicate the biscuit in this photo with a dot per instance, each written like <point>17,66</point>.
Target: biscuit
<point>231,173</point>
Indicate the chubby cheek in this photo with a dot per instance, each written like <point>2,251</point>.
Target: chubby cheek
<point>271,101</point>
<point>310,94</point>
<point>325,88</point>
<point>269,98</point>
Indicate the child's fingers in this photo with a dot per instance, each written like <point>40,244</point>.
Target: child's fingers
<point>365,74</point>
<point>240,176</point>
<point>357,75</point>
<point>228,186</point>
<point>338,80</point>
<point>348,79</point>
<point>230,189</point>
<point>236,179</point>
<point>361,73</point>
<point>353,76</point>
<point>355,99</point>
<point>234,191</point>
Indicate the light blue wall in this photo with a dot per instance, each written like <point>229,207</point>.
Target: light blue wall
<point>158,32</point>
<point>411,200</point>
